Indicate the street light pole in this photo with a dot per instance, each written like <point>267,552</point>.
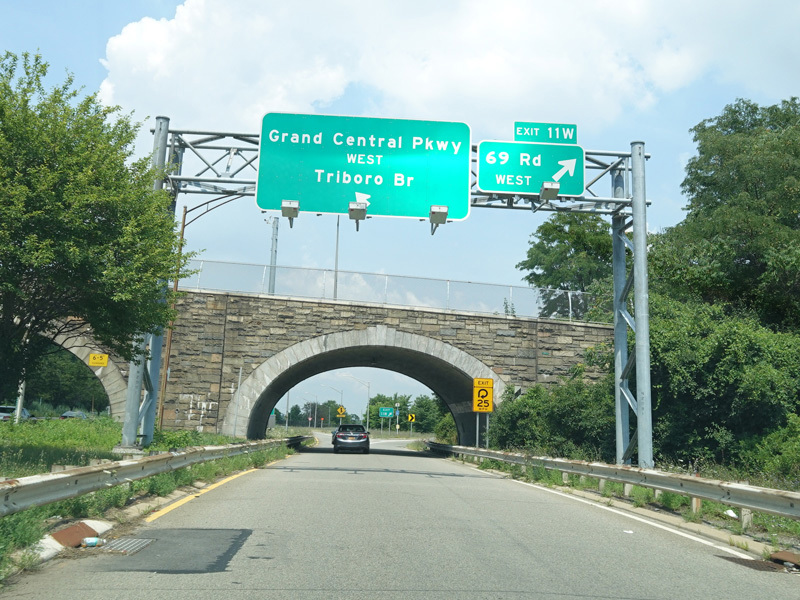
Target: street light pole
<point>366,383</point>
<point>336,263</point>
<point>316,403</point>
<point>341,397</point>
<point>168,344</point>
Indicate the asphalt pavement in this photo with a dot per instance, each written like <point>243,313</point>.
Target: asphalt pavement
<point>399,524</point>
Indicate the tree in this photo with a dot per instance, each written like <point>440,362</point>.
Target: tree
<point>428,412</point>
<point>327,411</point>
<point>296,416</point>
<point>574,419</point>
<point>86,244</point>
<point>740,242</point>
<point>719,381</point>
<point>280,418</point>
<point>61,379</point>
<point>309,412</point>
<point>568,252</point>
<point>381,400</point>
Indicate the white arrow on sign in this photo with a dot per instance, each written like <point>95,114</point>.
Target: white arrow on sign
<point>365,197</point>
<point>566,166</point>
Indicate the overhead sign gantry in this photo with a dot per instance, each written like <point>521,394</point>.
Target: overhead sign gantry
<point>424,173</point>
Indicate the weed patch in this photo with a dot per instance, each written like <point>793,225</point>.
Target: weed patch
<point>672,501</point>
<point>613,489</point>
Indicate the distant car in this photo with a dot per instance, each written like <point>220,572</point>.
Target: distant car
<point>7,413</point>
<point>351,437</point>
<point>73,414</point>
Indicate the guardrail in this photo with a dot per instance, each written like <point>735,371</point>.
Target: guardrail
<point>38,490</point>
<point>766,500</point>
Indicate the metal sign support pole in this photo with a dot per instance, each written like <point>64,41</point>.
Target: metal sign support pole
<point>644,417</point>
<point>134,395</point>
<point>137,369</point>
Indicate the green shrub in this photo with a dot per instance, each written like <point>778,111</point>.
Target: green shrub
<point>162,484</point>
<point>612,488</point>
<point>673,501</point>
<point>23,528</point>
<point>641,496</point>
<point>574,419</point>
<point>779,454</point>
<point>445,431</point>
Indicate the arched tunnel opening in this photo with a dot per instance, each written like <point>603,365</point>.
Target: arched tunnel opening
<point>450,382</point>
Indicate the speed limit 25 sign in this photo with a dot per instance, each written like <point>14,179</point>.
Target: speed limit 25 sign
<point>482,395</point>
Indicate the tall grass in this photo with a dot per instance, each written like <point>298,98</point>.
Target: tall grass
<point>33,447</point>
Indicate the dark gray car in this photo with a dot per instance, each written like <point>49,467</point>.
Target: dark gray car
<point>351,437</point>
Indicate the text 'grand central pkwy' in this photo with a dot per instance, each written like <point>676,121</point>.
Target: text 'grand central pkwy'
<point>399,167</point>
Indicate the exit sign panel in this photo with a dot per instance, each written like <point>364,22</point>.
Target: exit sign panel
<point>548,133</point>
<point>399,167</point>
<point>522,168</point>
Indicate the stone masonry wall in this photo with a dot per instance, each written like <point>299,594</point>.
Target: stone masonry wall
<point>217,333</point>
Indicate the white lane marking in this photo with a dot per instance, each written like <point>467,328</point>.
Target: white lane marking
<point>641,520</point>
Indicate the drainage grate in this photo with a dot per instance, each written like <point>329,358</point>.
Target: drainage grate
<point>127,545</point>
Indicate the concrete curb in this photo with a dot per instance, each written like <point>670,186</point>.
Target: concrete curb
<point>53,544</point>
<point>70,537</point>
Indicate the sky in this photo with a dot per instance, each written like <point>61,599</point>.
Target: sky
<point>632,70</point>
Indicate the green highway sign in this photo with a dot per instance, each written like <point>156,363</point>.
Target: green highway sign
<point>397,167</point>
<point>385,411</point>
<point>522,168</point>
<point>549,133</point>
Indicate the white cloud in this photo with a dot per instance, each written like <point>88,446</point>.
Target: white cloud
<point>222,64</point>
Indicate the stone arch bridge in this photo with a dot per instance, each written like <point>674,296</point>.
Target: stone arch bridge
<point>280,341</point>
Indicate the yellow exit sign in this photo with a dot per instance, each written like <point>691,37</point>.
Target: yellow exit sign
<point>482,395</point>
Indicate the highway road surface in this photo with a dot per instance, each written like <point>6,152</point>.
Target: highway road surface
<point>399,524</point>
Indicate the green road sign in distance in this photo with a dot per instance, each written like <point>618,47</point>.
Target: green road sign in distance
<point>399,167</point>
<point>548,133</point>
<point>386,412</point>
<point>521,168</point>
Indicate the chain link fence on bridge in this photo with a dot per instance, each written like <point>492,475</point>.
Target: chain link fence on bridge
<point>398,290</point>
